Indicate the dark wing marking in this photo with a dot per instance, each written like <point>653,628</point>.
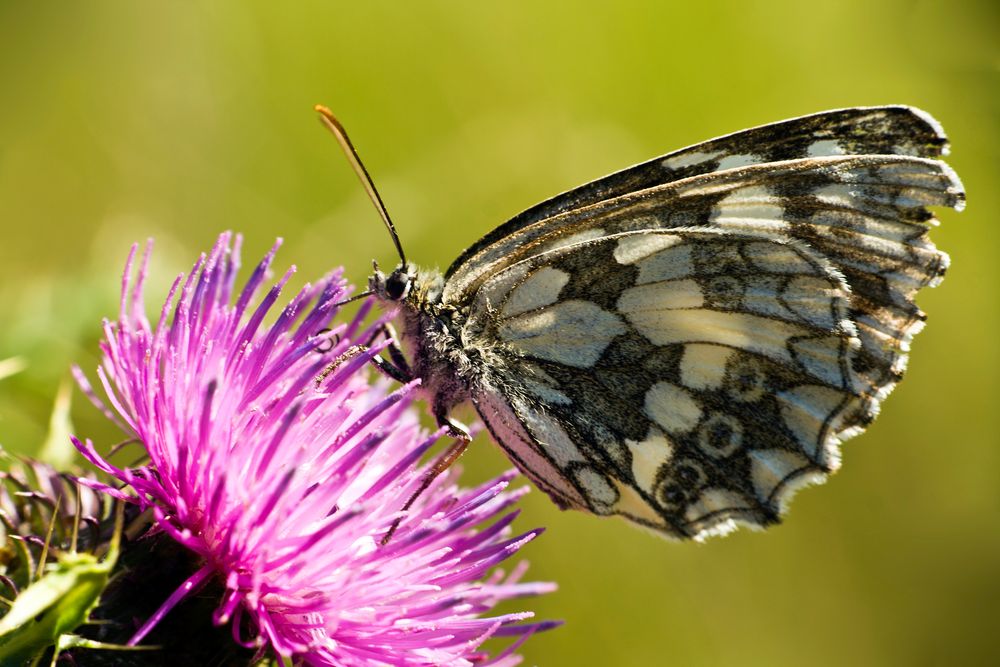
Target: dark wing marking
<point>684,379</point>
<point>889,130</point>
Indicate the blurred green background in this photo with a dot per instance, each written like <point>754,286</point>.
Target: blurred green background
<point>124,120</point>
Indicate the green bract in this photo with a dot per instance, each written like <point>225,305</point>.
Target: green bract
<point>48,612</point>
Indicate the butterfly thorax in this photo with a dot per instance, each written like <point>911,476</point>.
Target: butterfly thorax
<point>433,335</point>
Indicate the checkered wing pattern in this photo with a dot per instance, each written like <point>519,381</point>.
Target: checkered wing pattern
<point>686,342</point>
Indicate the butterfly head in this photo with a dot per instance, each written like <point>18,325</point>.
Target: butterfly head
<point>394,286</point>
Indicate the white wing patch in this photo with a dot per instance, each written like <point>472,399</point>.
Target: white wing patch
<point>704,366</point>
<point>667,264</point>
<point>751,206</point>
<point>648,456</point>
<point>667,294</point>
<point>811,298</point>
<point>574,333</point>
<point>633,247</point>
<point>672,407</point>
<point>825,147</point>
<point>738,160</point>
<point>666,326</point>
<point>837,194</point>
<point>689,159</point>
<point>634,506</point>
<point>809,413</point>
<point>599,490</point>
<point>540,289</point>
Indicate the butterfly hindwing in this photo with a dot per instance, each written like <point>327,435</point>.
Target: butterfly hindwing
<point>682,378</point>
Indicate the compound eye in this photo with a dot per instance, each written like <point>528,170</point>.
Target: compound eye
<point>396,285</point>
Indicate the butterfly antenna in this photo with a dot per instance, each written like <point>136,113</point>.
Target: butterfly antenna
<point>330,121</point>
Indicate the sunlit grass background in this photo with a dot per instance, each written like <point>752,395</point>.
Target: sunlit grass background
<point>125,120</point>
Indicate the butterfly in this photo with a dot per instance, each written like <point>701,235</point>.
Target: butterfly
<point>687,342</point>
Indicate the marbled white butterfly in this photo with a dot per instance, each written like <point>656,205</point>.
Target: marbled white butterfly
<point>686,342</point>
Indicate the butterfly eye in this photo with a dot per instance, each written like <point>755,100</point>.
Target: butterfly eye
<point>397,285</point>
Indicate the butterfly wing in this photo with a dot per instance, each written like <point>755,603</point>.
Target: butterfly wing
<point>680,378</point>
<point>887,130</point>
<point>595,357</point>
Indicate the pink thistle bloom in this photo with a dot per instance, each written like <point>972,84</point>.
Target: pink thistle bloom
<point>275,461</point>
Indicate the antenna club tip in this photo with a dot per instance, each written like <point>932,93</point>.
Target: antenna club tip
<point>327,118</point>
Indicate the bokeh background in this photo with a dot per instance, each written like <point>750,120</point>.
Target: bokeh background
<point>125,120</point>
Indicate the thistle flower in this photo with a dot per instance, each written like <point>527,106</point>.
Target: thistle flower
<point>272,458</point>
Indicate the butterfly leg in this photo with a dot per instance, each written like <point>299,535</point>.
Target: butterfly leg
<point>396,368</point>
<point>395,351</point>
<point>387,368</point>
<point>443,462</point>
<point>456,429</point>
<point>392,371</point>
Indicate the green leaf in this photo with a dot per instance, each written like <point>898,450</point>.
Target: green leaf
<point>58,450</point>
<point>57,603</point>
<point>11,366</point>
